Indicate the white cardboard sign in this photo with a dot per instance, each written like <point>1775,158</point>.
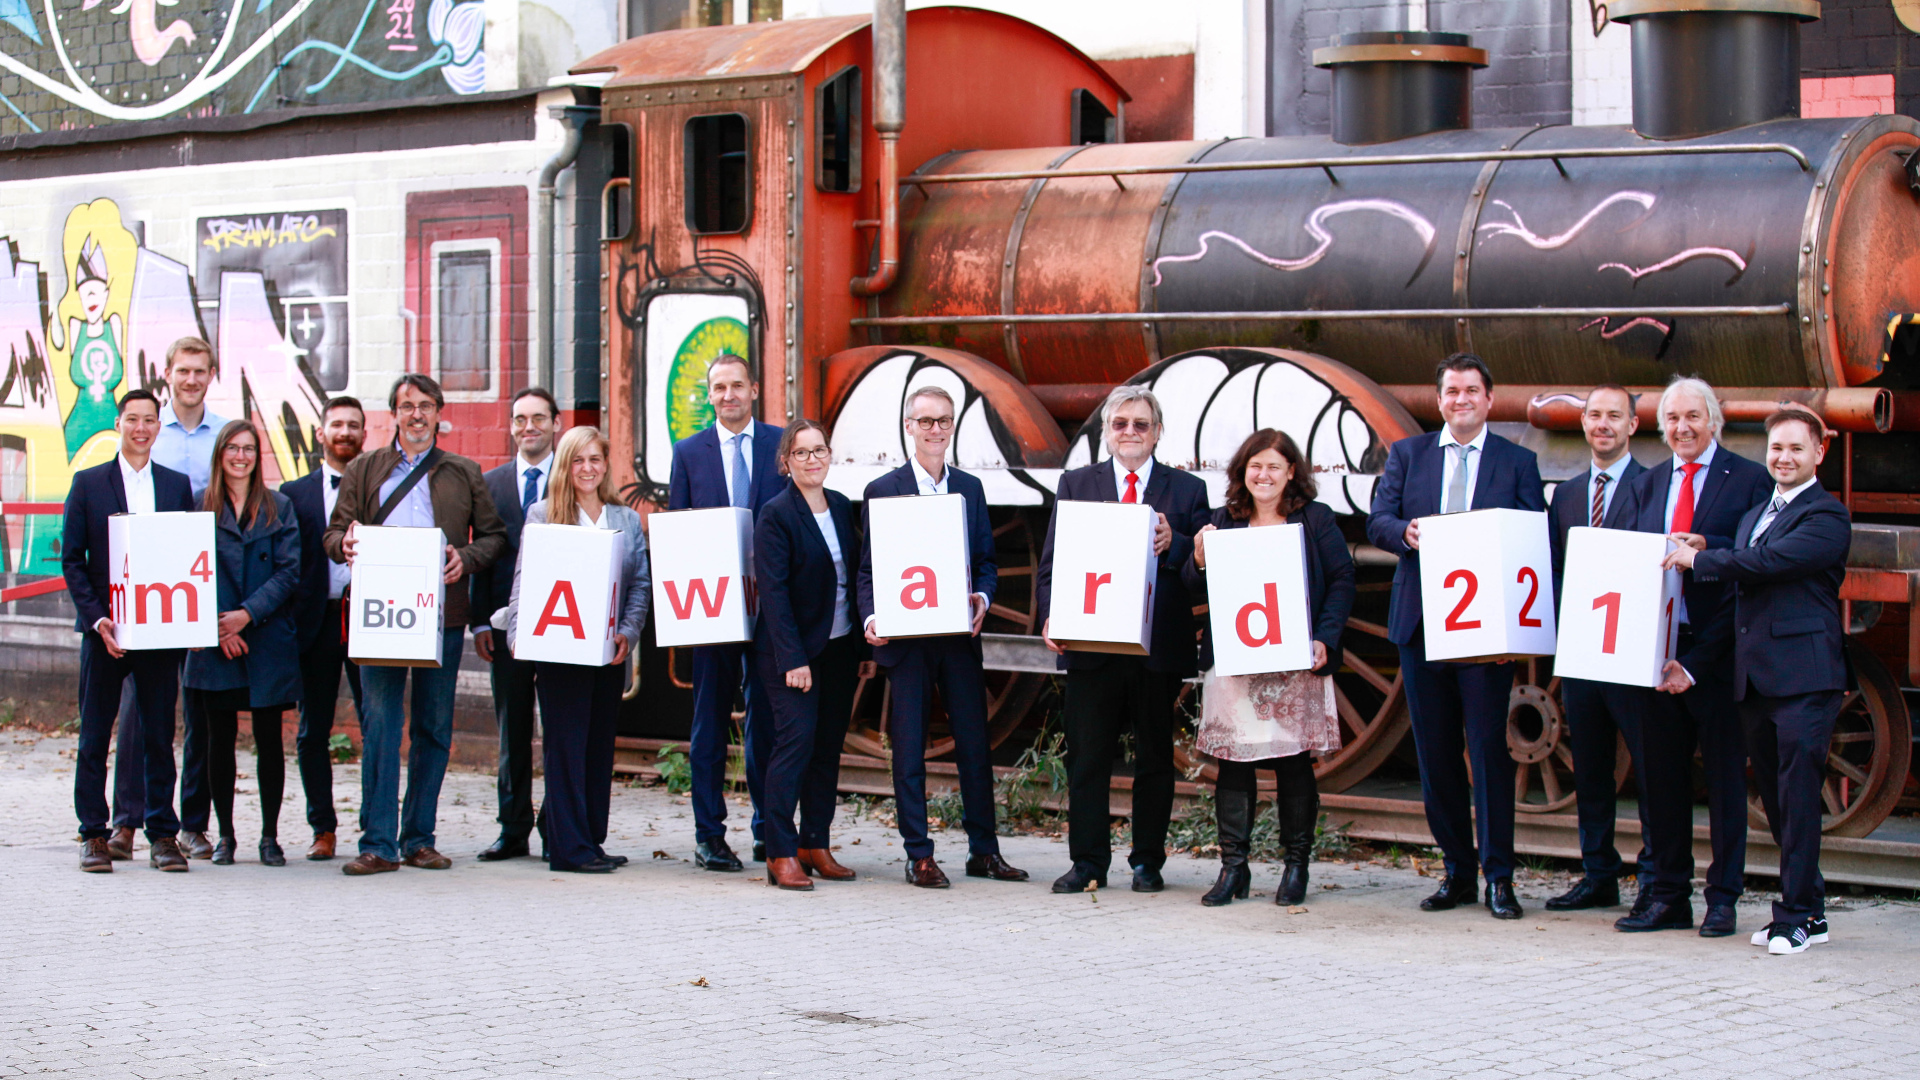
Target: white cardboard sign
<point>162,592</point>
<point>398,596</point>
<point>703,587</point>
<point>1257,603</point>
<point>569,594</point>
<point>1617,607</point>
<point>1104,573</point>
<point>922,575</point>
<point>1486,585</point>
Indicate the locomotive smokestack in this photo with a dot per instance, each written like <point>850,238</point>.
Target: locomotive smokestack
<point>889,116</point>
<point>1397,84</point>
<point>1701,66</point>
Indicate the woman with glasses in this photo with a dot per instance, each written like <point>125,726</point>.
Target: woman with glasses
<point>579,704</point>
<point>256,666</point>
<point>807,654</point>
<point>1278,721</point>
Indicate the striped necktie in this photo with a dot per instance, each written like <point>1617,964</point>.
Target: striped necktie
<point>1599,511</point>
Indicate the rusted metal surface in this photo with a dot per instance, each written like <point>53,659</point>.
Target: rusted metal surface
<point>1036,440</point>
<point>1108,318</point>
<point>1845,409</point>
<point>1869,257</point>
<point>1072,402</point>
<point>742,50</point>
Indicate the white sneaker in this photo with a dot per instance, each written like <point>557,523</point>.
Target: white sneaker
<point>1787,938</point>
<point>1816,933</point>
<point>1759,938</point>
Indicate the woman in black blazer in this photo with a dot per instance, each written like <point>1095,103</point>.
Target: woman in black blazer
<point>807,654</point>
<point>1276,721</point>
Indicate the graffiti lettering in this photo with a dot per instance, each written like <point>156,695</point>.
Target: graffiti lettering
<point>224,233</point>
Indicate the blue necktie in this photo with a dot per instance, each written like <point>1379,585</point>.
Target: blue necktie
<point>742,483</point>
<point>532,491</point>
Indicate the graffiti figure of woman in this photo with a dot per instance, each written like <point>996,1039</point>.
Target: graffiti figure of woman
<point>98,364</point>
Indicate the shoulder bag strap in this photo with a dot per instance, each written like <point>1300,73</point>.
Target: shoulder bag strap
<point>418,474</point>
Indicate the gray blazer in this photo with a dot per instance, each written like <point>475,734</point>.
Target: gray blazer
<point>636,589</point>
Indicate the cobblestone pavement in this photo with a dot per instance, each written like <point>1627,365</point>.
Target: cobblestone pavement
<point>663,970</point>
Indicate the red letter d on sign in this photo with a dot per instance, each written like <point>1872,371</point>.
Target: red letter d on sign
<point>1270,611</point>
<point>922,593</point>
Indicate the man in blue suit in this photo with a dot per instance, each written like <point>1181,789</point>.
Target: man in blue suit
<point>916,667</point>
<point>732,463</point>
<point>317,619</point>
<point>1591,499</point>
<point>1782,625</point>
<point>1459,709</point>
<point>129,484</point>
<point>1699,496</point>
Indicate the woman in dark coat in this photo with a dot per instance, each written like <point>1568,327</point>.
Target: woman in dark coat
<point>1277,721</point>
<point>256,666</point>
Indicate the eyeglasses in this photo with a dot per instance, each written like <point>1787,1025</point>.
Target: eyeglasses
<point>928,423</point>
<point>422,409</point>
<point>542,420</point>
<point>236,450</point>
<point>1121,425</point>
<point>818,453</point>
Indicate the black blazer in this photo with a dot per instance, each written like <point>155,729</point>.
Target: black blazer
<point>986,572</point>
<point>1783,624</point>
<point>308,495</point>
<point>95,495</point>
<point>490,588</point>
<point>1508,479</point>
<point>1572,507</point>
<point>1181,496</point>
<point>1331,584</point>
<point>795,578</point>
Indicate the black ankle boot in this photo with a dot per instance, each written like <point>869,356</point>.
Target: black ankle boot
<point>1234,811</point>
<point>1298,816</point>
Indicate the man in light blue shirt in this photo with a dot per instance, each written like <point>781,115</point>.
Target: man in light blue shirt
<point>187,427</point>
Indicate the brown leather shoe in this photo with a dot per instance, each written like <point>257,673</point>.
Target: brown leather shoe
<point>94,856</point>
<point>788,874</point>
<point>926,874</point>
<point>322,848</point>
<point>120,845</point>
<point>428,859</point>
<point>821,861</point>
<point>366,863</point>
<point>195,845</point>
<point>164,854</point>
<point>993,866</point>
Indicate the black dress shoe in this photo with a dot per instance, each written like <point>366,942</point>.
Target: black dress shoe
<point>1501,901</point>
<point>223,851</point>
<point>505,848</point>
<point>1454,890</point>
<point>993,866</point>
<point>759,851</point>
<point>1148,879</point>
<point>716,855</point>
<point>1079,878</point>
<point>1587,893</point>
<point>597,866</point>
<point>1720,921</point>
<point>271,853</point>
<point>1657,915</point>
<point>617,860</point>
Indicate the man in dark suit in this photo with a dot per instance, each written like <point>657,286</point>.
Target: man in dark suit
<point>129,484</point>
<point>1699,494</point>
<point>1593,725</point>
<point>514,486</point>
<point>1782,625</point>
<point>317,617</point>
<point>1108,693</point>
<point>732,463</point>
<point>1459,709</point>
<point>950,663</point>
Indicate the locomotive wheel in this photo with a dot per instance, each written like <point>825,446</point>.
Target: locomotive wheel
<point>1869,754</point>
<point>1538,740</point>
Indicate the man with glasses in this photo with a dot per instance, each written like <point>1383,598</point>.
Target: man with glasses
<point>732,463</point>
<point>415,484</point>
<point>1108,693</point>
<point>515,487</point>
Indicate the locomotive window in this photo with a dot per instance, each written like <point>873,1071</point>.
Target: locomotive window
<point>719,180</point>
<point>1092,122</point>
<point>836,132</point>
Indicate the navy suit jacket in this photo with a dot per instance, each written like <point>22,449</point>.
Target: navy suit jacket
<point>491,587</point>
<point>308,495</point>
<point>1331,579</point>
<point>1783,625</point>
<point>1508,479</point>
<point>1181,496</point>
<point>699,480</point>
<point>795,577</point>
<point>985,571</point>
<point>96,495</point>
<point>1572,507</point>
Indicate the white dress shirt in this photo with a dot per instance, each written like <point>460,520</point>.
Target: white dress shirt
<point>1120,480</point>
<point>339,575</point>
<point>520,468</point>
<point>928,485</point>
<point>1613,474</point>
<point>1448,459</point>
<point>139,485</point>
<point>842,625</point>
<point>1785,499</point>
<point>591,522</point>
<point>727,439</point>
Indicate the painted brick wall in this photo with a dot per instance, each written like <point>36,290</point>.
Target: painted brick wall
<point>1855,38</point>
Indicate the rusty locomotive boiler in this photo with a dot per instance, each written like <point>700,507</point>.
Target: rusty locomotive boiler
<point>862,206</point>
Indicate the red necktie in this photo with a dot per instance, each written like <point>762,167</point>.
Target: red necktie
<point>1683,506</point>
<point>1599,511</point>
<point>1133,490</point>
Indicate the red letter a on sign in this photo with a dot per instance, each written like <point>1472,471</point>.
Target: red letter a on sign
<point>1269,611</point>
<point>554,616</point>
<point>926,587</point>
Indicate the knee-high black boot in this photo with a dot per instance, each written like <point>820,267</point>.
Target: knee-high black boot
<point>1298,816</point>
<point>1234,811</point>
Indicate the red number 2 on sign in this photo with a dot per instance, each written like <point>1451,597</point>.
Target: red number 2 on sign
<point>1528,576</point>
<point>1454,622</point>
<point>1611,632</point>
<point>200,569</point>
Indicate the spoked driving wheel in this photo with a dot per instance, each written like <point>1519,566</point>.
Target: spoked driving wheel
<point>1542,747</point>
<point>1868,756</point>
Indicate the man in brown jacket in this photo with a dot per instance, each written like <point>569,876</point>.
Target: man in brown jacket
<point>453,498</point>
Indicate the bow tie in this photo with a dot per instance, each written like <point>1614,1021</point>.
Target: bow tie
<point>334,481</point>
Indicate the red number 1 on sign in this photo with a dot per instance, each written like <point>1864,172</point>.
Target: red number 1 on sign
<point>1608,635</point>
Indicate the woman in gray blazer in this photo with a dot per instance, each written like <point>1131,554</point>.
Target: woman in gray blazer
<point>579,705</point>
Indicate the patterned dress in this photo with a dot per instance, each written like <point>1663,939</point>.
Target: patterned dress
<point>1256,717</point>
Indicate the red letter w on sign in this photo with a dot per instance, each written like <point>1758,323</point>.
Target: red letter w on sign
<point>697,589</point>
<point>1094,581</point>
<point>555,615</point>
<point>1270,611</point>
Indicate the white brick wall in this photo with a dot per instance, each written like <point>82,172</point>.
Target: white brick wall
<point>1602,69</point>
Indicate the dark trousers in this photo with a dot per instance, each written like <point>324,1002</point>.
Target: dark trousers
<point>1704,717</point>
<point>1597,719</point>
<point>1292,776</point>
<point>581,710</point>
<point>1460,715</point>
<point>1788,738</point>
<point>1101,702</point>
<point>270,759</point>
<point>950,664</point>
<point>320,667</point>
<point>129,765</point>
<point>156,679</point>
<point>803,770</point>
<point>719,672</point>
<point>512,682</point>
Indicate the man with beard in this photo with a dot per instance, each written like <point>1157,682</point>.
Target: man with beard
<point>322,630</point>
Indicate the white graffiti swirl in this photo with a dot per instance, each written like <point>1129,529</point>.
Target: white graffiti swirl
<point>1671,261</point>
<point>1608,331</point>
<point>1316,228</point>
<point>1518,226</point>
